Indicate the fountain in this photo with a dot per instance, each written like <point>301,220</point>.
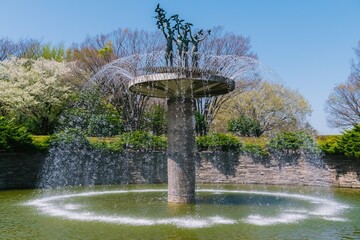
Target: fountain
<point>132,211</point>
<point>179,76</point>
<point>180,85</point>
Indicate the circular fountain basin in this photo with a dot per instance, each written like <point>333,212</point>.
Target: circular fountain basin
<point>167,82</point>
<point>141,212</point>
<point>214,207</point>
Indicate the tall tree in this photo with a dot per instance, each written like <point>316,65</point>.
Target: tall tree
<point>7,48</point>
<point>343,104</point>
<point>272,106</point>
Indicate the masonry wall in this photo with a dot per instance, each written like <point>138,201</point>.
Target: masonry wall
<point>228,168</point>
<point>19,170</point>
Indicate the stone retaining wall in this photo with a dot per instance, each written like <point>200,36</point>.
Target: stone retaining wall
<point>20,170</point>
<point>334,171</point>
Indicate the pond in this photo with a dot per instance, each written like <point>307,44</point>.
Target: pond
<point>141,212</point>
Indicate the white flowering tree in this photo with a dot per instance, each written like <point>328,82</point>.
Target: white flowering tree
<point>34,90</point>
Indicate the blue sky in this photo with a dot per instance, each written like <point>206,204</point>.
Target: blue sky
<point>309,43</point>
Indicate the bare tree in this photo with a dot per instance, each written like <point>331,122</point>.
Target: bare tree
<point>220,43</point>
<point>118,44</point>
<point>25,48</point>
<point>29,48</point>
<point>343,104</point>
<point>124,42</point>
<point>7,48</point>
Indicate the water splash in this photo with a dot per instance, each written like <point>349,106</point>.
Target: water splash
<point>320,208</point>
<point>236,68</point>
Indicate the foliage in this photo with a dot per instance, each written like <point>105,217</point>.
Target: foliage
<point>103,144</point>
<point>244,126</point>
<point>155,119</point>
<point>140,141</point>
<point>349,143</point>
<point>107,52</point>
<point>93,115</point>
<point>273,106</point>
<point>201,126</point>
<point>34,92</point>
<point>218,142</point>
<point>292,142</point>
<point>255,149</point>
<point>53,53</point>
<point>14,137</point>
<point>41,142</point>
<point>343,104</point>
<point>70,136</point>
<point>256,146</point>
<point>329,144</point>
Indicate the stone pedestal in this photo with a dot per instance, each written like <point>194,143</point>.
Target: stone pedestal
<point>181,151</point>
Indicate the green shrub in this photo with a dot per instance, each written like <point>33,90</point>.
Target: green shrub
<point>91,113</point>
<point>218,142</point>
<point>41,142</point>
<point>349,142</point>
<point>155,120</point>
<point>255,149</point>
<point>244,126</point>
<point>14,137</point>
<point>201,125</point>
<point>107,146</point>
<point>329,144</point>
<point>140,141</point>
<point>292,142</point>
<point>73,136</point>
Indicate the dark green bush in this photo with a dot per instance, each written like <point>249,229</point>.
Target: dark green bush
<point>218,142</point>
<point>155,120</point>
<point>349,142</point>
<point>92,114</point>
<point>140,141</point>
<point>288,147</point>
<point>70,136</point>
<point>244,126</point>
<point>290,142</point>
<point>201,126</point>
<point>14,137</point>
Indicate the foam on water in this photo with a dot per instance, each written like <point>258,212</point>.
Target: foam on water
<point>322,208</point>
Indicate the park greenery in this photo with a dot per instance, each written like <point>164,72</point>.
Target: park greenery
<point>45,90</point>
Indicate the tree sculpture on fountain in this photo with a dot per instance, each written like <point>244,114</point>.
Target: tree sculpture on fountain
<point>182,40</point>
<point>195,40</point>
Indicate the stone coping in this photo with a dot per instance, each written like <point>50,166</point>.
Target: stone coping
<point>180,82</point>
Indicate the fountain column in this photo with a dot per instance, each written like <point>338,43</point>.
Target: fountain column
<point>180,87</point>
<point>181,151</point>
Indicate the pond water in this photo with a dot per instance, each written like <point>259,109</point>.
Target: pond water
<point>141,212</point>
